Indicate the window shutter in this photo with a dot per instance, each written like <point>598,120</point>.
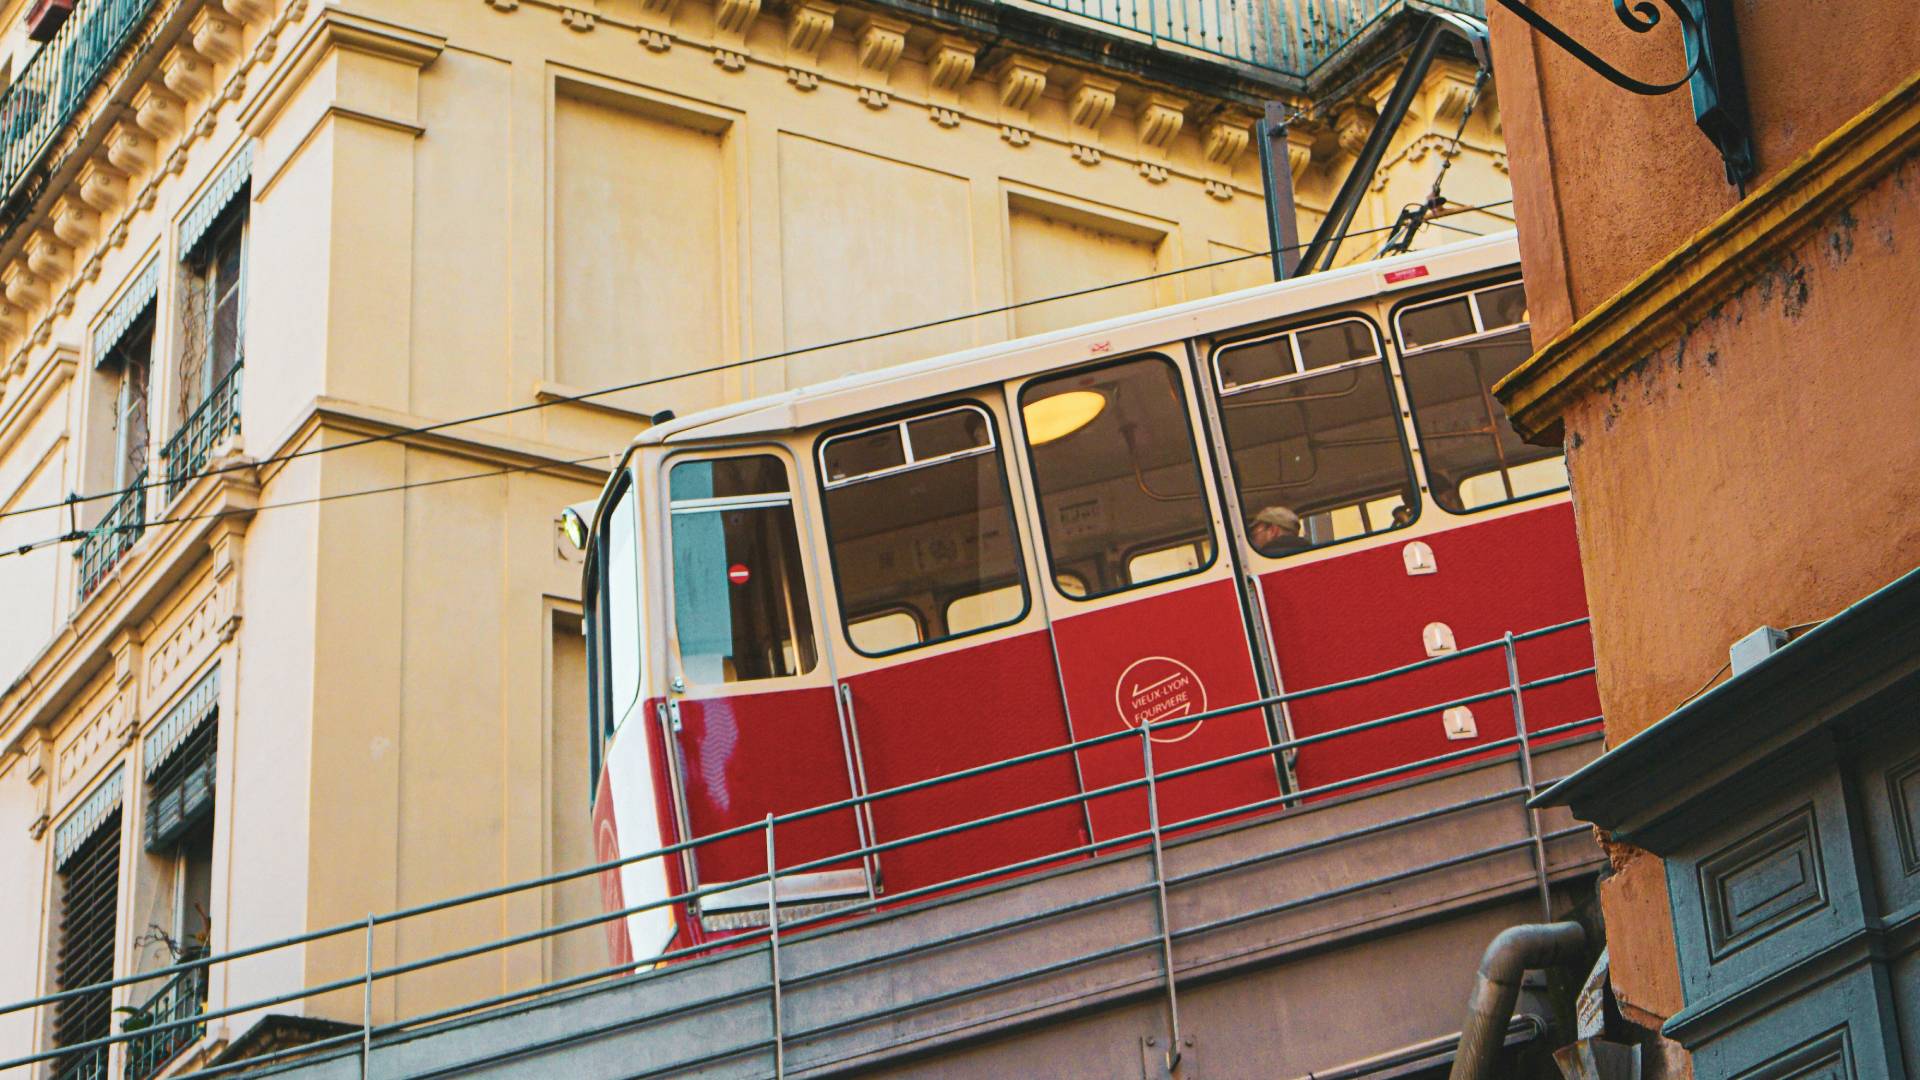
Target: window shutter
<point>89,900</point>
<point>180,755</point>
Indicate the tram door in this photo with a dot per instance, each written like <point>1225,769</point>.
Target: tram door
<point>751,712</point>
<point>1316,436</point>
<point>945,662</point>
<point>1145,609</point>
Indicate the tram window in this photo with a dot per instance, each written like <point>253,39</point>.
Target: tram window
<point>1318,454</point>
<point>994,607</point>
<point>1126,478</point>
<point>885,632</point>
<point>739,595</point>
<point>1474,457</point>
<point>1164,563</point>
<point>623,629</point>
<point>924,546</point>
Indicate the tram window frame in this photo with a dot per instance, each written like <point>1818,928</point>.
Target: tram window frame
<point>1203,478</point>
<point>1434,298</point>
<point>994,447</point>
<point>806,654</point>
<point>1398,414</point>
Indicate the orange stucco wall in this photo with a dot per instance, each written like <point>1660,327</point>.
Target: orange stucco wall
<point>1763,466</point>
<point>1606,182</point>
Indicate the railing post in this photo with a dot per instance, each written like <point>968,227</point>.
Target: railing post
<point>366,1004</point>
<point>773,959</point>
<point>1526,777</point>
<point>1160,897</point>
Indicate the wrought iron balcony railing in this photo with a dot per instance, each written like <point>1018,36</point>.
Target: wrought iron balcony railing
<point>85,1065</point>
<point>217,417</point>
<point>107,543</point>
<point>56,80</point>
<point>1289,37</point>
<point>184,997</point>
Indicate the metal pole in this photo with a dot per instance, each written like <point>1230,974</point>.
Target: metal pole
<point>773,954</point>
<point>1276,176</point>
<point>366,1004</point>
<point>1526,777</point>
<point>1160,896</point>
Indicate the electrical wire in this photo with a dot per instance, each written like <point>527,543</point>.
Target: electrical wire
<point>539,467</point>
<point>587,395</point>
<point>1790,631</point>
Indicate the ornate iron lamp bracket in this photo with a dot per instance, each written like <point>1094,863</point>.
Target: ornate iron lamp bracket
<point>1713,69</point>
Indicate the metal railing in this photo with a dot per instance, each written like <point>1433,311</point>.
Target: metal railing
<point>56,80</point>
<point>88,1065</point>
<point>184,997</point>
<point>109,540</point>
<point>217,417</point>
<point>1518,748</point>
<point>1290,37</point>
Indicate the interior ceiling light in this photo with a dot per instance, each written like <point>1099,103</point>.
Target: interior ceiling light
<point>1062,414</point>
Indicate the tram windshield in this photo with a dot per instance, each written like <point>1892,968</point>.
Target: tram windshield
<point>1452,352</point>
<point>1117,476</point>
<point>921,530</point>
<point>740,608</point>
<point>1314,435</point>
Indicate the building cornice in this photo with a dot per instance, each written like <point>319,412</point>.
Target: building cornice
<point>1680,290</point>
<point>333,29</point>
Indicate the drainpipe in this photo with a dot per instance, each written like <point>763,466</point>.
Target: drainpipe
<point>1497,988</point>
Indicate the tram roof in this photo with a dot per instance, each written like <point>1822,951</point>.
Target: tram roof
<point>852,395</point>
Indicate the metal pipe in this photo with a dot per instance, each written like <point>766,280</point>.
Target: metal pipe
<point>1333,228</point>
<point>1497,987</point>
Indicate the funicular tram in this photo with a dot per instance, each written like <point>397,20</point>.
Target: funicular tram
<point>853,586</point>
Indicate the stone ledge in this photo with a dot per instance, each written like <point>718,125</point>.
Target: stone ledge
<point>1681,288</point>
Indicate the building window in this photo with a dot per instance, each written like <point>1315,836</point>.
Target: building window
<point>1314,435</point>
<point>921,530</point>
<point>1452,351</point>
<point>1117,477</point>
<point>214,327</point>
<point>87,850</point>
<point>133,359</point>
<point>740,609</point>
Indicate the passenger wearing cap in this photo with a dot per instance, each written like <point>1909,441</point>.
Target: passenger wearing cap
<point>1276,531</point>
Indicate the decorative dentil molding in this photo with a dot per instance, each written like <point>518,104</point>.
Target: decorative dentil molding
<point>1157,122</point>
<point>1225,138</point>
<point>656,23</point>
<point>1090,102</point>
<point>881,40</point>
<point>189,641</point>
<point>1022,78</point>
<point>578,20</point>
<point>950,64</point>
<point>809,26</point>
<point>731,21</point>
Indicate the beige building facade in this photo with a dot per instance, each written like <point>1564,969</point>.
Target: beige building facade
<point>322,658</point>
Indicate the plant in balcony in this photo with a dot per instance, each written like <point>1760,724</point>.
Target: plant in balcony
<point>45,18</point>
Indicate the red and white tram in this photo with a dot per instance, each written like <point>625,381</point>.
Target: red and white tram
<point>852,586</point>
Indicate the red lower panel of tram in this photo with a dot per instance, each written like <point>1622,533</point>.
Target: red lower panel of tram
<point>1357,615</point>
<point>924,718</point>
<point>747,756</point>
<point>1154,660</point>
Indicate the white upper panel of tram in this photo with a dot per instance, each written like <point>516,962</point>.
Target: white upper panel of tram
<point>933,377</point>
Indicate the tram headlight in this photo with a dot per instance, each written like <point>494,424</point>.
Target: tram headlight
<point>575,526</point>
<point>1062,414</point>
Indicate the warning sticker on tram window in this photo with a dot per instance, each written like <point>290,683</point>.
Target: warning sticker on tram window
<point>737,574</point>
<point>1405,274</point>
<point>1157,690</point>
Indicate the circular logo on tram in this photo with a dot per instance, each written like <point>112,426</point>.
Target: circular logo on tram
<point>607,849</point>
<point>1158,689</point>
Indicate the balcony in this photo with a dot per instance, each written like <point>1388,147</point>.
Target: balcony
<point>1294,38</point>
<point>217,417</point>
<point>55,82</point>
<point>182,998</point>
<point>87,1065</point>
<point>108,542</point>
